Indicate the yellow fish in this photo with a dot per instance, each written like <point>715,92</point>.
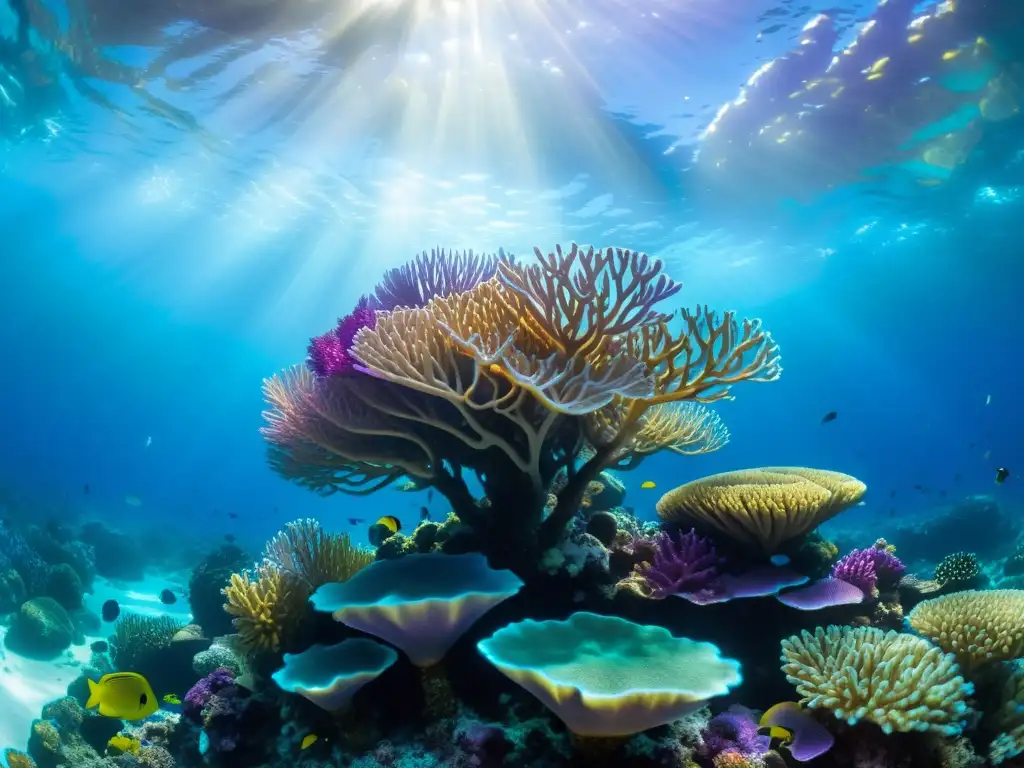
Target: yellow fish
<point>391,522</point>
<point>309,740</point>
<point>170,698</point>
<point>124,695</point>
<point>648,484</point>
<point>121,745</point>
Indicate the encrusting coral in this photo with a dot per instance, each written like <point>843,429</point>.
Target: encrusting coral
<point>510,378</point>
<point>762,508</point>
<point>897,681</point>
<point>979,626</point>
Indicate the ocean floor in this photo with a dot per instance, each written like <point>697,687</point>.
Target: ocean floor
<point>27,684</point>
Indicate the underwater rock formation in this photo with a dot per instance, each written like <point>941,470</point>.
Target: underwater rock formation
<point>41,629</point>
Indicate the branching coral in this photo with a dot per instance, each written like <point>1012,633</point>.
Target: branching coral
<point>762,508</point>
<point>434,274</point>
<point>864,568</point>
<point>306,552</point>
<point>264,607</point>
<point>980,627</point>
<point>510,371</point>
<point>137,636</point>
<point>899,682</point>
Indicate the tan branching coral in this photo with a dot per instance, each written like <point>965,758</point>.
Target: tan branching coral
<point>685,428</point>
<point>899,682</point>
<point>305,552</point>
<point>513,379</point>
<point>762,508</point>
<point>265,608</point>
<point>979,626</point>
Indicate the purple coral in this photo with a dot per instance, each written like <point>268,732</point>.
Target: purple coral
<point>330,353</point>
<point>732,731</point>
<point>200,694</point>
<point>686,564</point>
<point>439,273</point>
<point>864,568</point>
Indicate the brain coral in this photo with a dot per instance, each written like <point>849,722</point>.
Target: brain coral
<point>897,681</point>
<point>979,626</point>
<point>762,508</point>
<point>606,676</point>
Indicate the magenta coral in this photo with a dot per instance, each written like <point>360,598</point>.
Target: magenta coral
<point>686,564</point>
<point>330,353</point>
<point>863,568</point>
<point>199,695</point>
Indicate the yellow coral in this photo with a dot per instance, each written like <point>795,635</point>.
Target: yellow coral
<point>979,626</point>
<point>263,607</point>
<point>899,682</point>
<point>16,759</point>
<point>762,508</point>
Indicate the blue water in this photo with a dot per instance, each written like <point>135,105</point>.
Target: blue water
<point>176,232</point>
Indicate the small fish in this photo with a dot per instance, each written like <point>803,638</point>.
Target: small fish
<point>987,455</point>
<point>803,736</point>
<point>424,514</point>
<point>149,441</point>
<point>110,611</point>
<point>308,740</point>
<point>988,400</point>
<point>133,501</point>
<point>390,522</point>
<point>920,488</point>
<point>830,416</point>
<point>85,489</point>
<point>124,745</point>
<point>1001,474</point>
<point>892,494</point>
<point>123,695</point>
<point>430,495</point>
<point>380,531</point>
<point>956,477</point>
<point>233,515</point>
<point>648,484</point>
<point>356,520</point>
<point>100,646</point>
<point>171,698</point>
<point>229,538</point>
<point>167,597</point>
<point>779,560</point>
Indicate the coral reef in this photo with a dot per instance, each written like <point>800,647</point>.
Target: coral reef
<point>507,380</point>
<point>205,588</point>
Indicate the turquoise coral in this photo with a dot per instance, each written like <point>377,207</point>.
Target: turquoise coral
<point>606,676</point>
<point>330,675</point>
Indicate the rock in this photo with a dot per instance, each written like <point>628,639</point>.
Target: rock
<point>12,590</point>
<point>64,585</point>
<point>41,629</point>
<point>975,524</point>
<point>613,495</point>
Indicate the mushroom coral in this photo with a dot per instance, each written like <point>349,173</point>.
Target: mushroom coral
<point>899,682</point>
<point>421,603</point>
<point>762,508</point>
<point>979,626</point>
<point>330,675</point>
<point>511,377</point>
<point>606,676</point>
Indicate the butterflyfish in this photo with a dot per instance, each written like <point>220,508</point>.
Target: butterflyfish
<point>802,735</point>
<point>390,522</point>
<point>308,740</point>
<point>124,695</point>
